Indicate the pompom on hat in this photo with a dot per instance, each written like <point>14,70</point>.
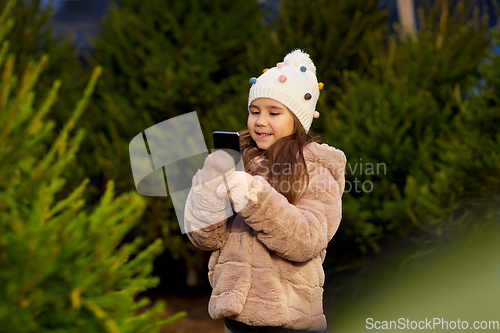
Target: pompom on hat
<point>293,83</point>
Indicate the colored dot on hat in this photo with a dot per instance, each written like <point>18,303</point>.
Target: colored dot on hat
<point>279,65</point>
<point>307,96</point>
<point>253,80</point>
<point>282,78</point>
<point>321,85</point>
<point>303,69</point>
<point>265,70</point>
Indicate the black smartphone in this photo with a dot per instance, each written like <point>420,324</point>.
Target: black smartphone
<point>229,141</point>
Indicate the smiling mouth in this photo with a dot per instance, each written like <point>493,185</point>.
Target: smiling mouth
<point>263,135</point>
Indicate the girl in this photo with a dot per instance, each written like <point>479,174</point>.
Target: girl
<point>266,266</point>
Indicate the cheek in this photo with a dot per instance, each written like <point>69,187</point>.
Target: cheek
<point>289,127</point>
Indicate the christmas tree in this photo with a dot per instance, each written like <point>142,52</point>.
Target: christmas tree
<point>32,36</point>
<point>397,121</point>
<point>63,266</point>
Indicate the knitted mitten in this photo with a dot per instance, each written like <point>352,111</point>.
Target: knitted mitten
<point>242,187</point>
<point>205,204</point>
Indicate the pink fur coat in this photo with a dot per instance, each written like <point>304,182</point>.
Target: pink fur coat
<point>266,265</point>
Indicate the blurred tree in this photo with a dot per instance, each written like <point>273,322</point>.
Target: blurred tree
<point>332,33</point>
<point>471,152</point>
<point>396,114</point>
<point>33,36</point>
<point>62,268</point>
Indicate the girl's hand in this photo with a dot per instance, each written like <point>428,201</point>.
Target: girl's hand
<point>217,164</point>
<point>207,206</point>
<point>241,188</point>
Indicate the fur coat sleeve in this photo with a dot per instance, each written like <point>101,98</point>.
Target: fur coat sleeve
<point>210,238</point>
<point>299,233</point>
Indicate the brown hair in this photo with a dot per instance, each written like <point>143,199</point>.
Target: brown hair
<point>287,151</point>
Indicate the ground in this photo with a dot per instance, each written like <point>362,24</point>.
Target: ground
<point>197,319</point>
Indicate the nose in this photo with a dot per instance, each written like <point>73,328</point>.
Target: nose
<point>261,120</point>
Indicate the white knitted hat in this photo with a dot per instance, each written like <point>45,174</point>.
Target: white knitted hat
<point>293,83</point>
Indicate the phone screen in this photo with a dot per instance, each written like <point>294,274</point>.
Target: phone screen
<point>229,141</point>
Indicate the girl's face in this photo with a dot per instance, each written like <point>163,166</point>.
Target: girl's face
<point>268,121</point>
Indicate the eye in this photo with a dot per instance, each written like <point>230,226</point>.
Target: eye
<point>254,112</point>
<point>274,114</point>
